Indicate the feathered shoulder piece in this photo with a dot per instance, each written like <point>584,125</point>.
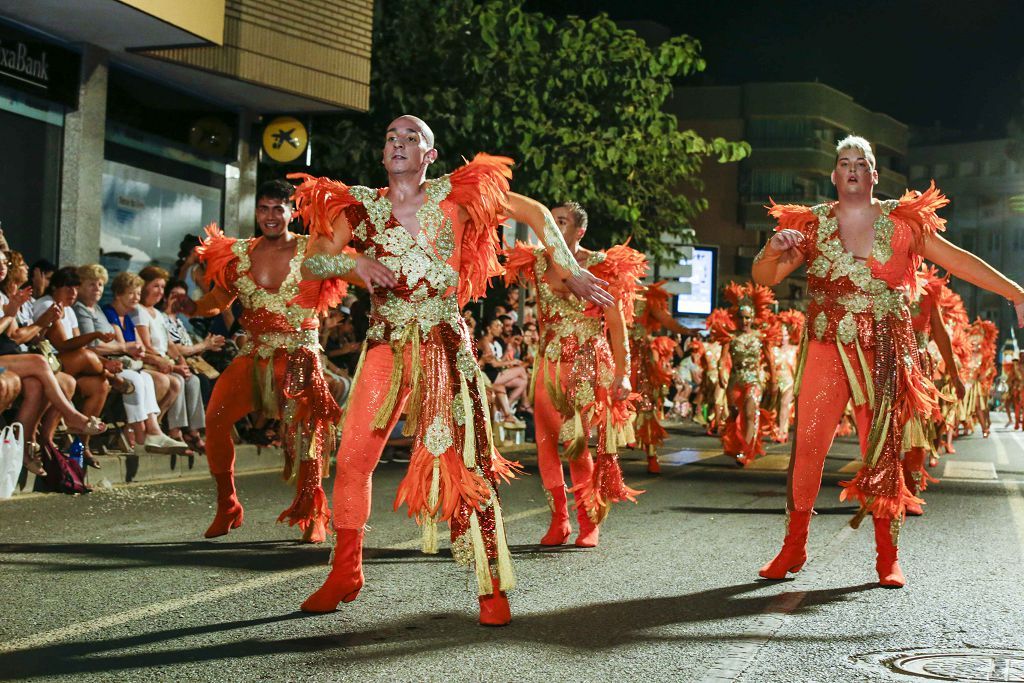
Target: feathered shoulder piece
<point>319,201</point>
<point>795,321</point>
<point>929,281</point>
<point>622,269</point>
<point>656,298</point>
<point>217,255</point>
<point>918,209</point>
<point>521,263</point>
<point>792,217</point>
<point>481,188</point>
<point>721,325</point>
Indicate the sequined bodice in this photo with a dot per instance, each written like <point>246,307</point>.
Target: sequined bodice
<point>784,358</point>
<point>745,353</point>
<point>562,319</point>
<point>425,265</point>
<point>847,294</point>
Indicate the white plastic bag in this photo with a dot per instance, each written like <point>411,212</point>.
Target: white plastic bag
<point>12,449</point>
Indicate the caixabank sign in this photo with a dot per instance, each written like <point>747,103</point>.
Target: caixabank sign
<point>38,68</point>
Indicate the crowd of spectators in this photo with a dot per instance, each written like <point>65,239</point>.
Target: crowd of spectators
<point>131,370</point>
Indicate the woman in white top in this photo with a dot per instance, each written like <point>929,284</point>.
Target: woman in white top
<point>140,404</point>
<point>44,394</point>
<point>187,415</point>
<point>76,358</point>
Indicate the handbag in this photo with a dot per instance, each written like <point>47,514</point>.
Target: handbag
<point>12,450</point>
<point>44,348</point>
<point>63,475</point>
<point>200,366</point>
<point>129,363</point>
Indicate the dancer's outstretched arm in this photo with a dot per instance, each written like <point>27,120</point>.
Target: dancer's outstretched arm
<point>326,258</point>
<point>580,281</point>
<point>620,387</point>
<point>966,266</point>
<point>780,257</point>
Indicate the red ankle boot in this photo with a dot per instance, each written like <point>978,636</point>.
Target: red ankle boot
<point>494,609</point>
<point>653,466</point>
<point>589,532</point>
<point>888,563</point>
<point>346,577</point>
<point>315,532</point>
<point>794,547</point>
<point>559,531</point>
<point>229,511</point>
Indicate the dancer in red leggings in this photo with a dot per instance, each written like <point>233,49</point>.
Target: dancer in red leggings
<point>423,248</point>
<point>862,256</point>
<point>581,377</point>
<point>277,371</point>
<point>651,371</point>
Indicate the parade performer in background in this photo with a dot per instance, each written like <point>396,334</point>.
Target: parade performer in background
<point>424,248</point>
<point>921,432</point>
<point>982,337</point>
<point>747,335</point>
<point>862,256</point>
<point>950,356</point>
<point>581,376</point>
<point>712,406</point>
<point>277,371</point>
<point>651,371</point>
<point>791,326</point>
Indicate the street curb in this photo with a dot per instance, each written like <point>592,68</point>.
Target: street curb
<point>154,468</point>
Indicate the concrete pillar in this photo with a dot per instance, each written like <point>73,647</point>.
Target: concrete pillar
<point>82,170</point>
<point>240,183</point>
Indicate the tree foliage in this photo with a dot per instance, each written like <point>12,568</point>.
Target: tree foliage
<point>578,104</point>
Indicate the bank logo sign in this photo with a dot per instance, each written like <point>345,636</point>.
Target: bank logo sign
<point>17,62</point>
<point>37,67</point>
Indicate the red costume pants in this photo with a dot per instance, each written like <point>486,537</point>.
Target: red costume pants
<point>824,394</point>
<point>548,422</point>
<point>361,445</point>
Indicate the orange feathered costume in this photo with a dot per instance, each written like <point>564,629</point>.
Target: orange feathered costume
<point>651,368</point>
<point>572,376</point>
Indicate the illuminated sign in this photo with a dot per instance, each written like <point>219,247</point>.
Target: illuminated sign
<point>285,139</point>
<point>693,281</point>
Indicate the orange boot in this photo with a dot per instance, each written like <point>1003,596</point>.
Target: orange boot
<point>653,466</point>
<point>229,511</point>
<point>888,563</point>
<point>913,472</point>
<point>794,548</point>
<point>559,531</point>
<point>494,609</point>
<point>589,532</point>
<point>346,577</point>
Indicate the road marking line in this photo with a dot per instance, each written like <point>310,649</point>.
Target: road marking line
<point>969,469</point>
<point>156,609</point>
<point>1016,501</point>
<point>742,653</point>
<point>1001,457</point>
<point>771,463</point>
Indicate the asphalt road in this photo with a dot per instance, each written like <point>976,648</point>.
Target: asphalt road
<point>119,585</point>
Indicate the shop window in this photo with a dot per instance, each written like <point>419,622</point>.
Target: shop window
<point>918,171</point>
<point>966,169</point>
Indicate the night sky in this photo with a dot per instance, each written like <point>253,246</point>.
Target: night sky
<point>958,62</point>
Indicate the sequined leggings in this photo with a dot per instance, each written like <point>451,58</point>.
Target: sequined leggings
<point>232,399</point>
<point>361,445</point>
<point>824,393</point>
<point>548,423</point>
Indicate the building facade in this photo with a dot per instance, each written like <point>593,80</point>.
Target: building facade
<point>982,180</point>
<point>792,129</point>
<point>132,123</point>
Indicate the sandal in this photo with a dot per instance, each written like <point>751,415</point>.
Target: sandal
<point>121,385</point>
<point>93,426</point>
<point>89,461</point>
<point>33,459</point>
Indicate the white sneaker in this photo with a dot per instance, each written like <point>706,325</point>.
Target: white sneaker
<point>161,443</point>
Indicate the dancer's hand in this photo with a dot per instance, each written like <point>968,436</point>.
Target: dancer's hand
<point>17,300</point>
<point>620,388</point>
<point>958,386</point>
<point>1019,310</point>
<point>373,272</point>
<point>788,242</point>
<point>587,286</point>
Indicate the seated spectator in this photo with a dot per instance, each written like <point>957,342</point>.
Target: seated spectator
<point>16,279</point>
<point>182,336</point>
<point>76,359</point>
<point>39,275</point>
<point>512,303</point>
<point>337,339</point>
<point>141,408</point>
<point>508,377</point>
<point>45,395</point>
<point>186,419</point>
<point>127,289</point>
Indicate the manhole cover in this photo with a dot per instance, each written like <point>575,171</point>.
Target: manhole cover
<point>973,664</point>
